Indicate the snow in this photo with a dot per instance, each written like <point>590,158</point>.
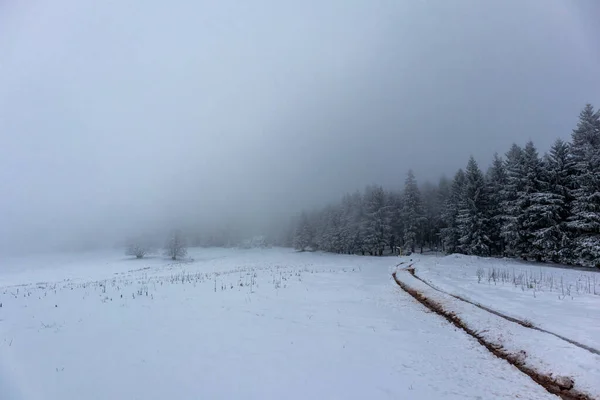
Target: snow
<point>232,324</point>
<point>562,301</point>
<point>538,350</point>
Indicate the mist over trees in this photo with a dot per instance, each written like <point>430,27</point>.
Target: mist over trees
<point>543,208</point>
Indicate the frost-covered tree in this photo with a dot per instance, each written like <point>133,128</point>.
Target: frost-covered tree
<point>532,202</point>
<point>473,219</point>
<point>329,231</point>
<point>496,181</point>
<point>443,194</point>
<point>432,206</point>
<point>526,206</point>
<point>321,231</point>
<point>585,211</point>
<point>377,221</point>
<point>552,204</point>
<point>395,202</point>
<point>412,212</point>
<point>346,224</point>
<point>355,218</point>
<point>511,229</point>
<point>450,235</point>
<point>176,246</point>
<point>356,237</point>
<point>138,247</point>
<point>304,233</point>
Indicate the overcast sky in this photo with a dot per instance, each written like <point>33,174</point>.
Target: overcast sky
<point>117,116</point>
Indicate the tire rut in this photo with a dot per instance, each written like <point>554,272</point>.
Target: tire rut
<point>547,382</point>
<point>507,317</point>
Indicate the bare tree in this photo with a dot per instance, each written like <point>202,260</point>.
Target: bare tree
<point>138,247</point>
<point>176,245</point>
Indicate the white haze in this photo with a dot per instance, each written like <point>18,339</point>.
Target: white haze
<point>119,117</point>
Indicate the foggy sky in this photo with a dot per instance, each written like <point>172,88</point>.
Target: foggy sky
<point>122,116</point>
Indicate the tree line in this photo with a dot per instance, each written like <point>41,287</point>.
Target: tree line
<point>544,208</point>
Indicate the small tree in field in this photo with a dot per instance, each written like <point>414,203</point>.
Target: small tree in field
<point>176,245</point>
<point>138,249</point>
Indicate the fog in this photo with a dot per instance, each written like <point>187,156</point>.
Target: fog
<point>120,117</point>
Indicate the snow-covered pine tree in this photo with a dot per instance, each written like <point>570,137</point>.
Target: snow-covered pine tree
<point>367,227</point>
<point>585,211</point>
<point>395,201</point>
<point>376,224</point>
<point>323,231</point>
<point>496,181</point>
<point>443,194</point>
<point>541,208</point>
<point>322,239</point>
<point>432,210</point>
<point>357,223</point>
<point>384,221</point>
<point>533,202</point>
<point>511,230</point>
<point>473,220</point>
<point>304,233</point>
<point>412,213</point>
<point>449,233</point>
<point>346,224</point>
<point>335,229</point>
<point>552,240</point>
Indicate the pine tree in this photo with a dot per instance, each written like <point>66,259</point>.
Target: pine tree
<point>346,224</point>
<point>496,181</point>
<point>585,218</point>
<point>449,233</point>
<point>395,201</point>
<point>328,237</point>
<point>357,223</point>
<point>511,229</point>
<point>321,238</point>
<point>376,225</point>
<point>473,220</point>
<point>443,194</point>
<point>431,218</point>
<point>335,230</point>
<point>533,203</point>
<point>304,234</point>
<point>412,213</point>
<point>552,236</point>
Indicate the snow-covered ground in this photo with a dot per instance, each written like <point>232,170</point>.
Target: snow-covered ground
<point>232,324</point>
<point>568,365</point>
<point>562,301</point>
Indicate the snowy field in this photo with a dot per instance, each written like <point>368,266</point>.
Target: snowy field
<point>562,301</point>
<point>264,324</point>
